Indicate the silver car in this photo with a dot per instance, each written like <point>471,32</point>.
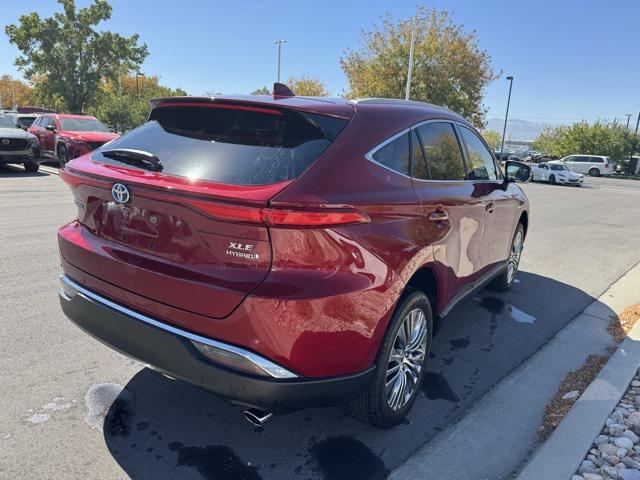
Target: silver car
<point>18,146</point>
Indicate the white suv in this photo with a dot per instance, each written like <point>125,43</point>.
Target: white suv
<point>594,165</point>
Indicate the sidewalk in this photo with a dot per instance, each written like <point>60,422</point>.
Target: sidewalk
<point>499,433</point>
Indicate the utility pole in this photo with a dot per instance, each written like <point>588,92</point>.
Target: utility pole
<point>13,93</point>
<point>138,75</point>
<point>412,47</point>
<point>628,118</point>
<point>279,42</point>
<point>506,116</point>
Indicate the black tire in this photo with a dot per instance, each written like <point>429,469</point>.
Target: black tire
<point>504,281</point>
<point>31,167</point>
<point>62,155</point>
<point>594,172</point>
<point>372,406</point>
<point>552,180</point>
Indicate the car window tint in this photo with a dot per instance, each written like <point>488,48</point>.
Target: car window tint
<point>418,166</point>
<point>394,154</point>
<point>442,151</point>
<point>233,144</point>
<point>597,160</point>
<point>481,165</point>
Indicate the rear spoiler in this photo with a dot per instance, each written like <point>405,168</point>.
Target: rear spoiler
<point>321,106</point>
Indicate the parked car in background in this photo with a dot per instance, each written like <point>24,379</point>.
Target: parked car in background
<point>556,172</point>
<point>593,165</point>
<point>23,120</point>
<point>18,146</point>
<point>64,137</point>
<point>628,166</point>
<point>225,243</point>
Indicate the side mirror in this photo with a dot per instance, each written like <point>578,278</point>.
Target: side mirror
<point>51,128</point>
<point>517,172</point>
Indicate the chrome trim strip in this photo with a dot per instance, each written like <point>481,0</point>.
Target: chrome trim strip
<point>270,368</point>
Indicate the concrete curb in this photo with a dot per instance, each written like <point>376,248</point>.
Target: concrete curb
<point>561,455</point>
<point>499,432</point>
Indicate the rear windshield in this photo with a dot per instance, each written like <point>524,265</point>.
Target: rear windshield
<point>234,144</point>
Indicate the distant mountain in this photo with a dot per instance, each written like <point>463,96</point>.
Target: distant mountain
<point>517,129</point>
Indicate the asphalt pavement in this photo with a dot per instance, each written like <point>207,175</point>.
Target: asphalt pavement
<point>59,418</point>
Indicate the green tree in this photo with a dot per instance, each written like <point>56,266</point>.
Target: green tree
<point>261,91</point>
<point>450,69</point>
<point>597,138</point>
<point>307,86</point>
<point>492,138</point>
<point>123,103</point>
<point>71,54</point>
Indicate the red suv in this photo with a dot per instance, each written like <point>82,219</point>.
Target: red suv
<point>64,137</point>
<point>288,252</point>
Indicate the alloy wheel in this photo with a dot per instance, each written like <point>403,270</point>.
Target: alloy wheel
<point>514,256</point>
<point>406,359</point>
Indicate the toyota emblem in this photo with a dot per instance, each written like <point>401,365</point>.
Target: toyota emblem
<point>5,141</point>
<point>120,193</point>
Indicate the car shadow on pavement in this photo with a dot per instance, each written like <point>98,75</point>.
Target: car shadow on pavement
<point>160,428</point>
<point>14,171</point>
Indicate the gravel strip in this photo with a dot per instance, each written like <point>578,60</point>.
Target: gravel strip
<point>616,451</point>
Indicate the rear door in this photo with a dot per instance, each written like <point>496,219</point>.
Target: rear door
<point>450,208</point>
<point>191,234</point>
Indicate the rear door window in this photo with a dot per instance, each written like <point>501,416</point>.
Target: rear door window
<point>597,160</point>
<point>441,151</point>
<point>394,154</point>
<point>230,143</point>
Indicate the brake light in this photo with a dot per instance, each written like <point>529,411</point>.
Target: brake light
<point>606,165</point>
<point>226,106</point>
<point>275,217</point>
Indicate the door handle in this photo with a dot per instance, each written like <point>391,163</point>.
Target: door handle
<point>438,216</point>
<point>490,207</point>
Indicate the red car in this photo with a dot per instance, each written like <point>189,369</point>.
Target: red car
<point>64,137</point>
<point>288,252</point>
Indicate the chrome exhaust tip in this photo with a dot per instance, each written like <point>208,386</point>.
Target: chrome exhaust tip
<point>256,416</point>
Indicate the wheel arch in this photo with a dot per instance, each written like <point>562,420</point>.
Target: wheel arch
<point>524,220</point>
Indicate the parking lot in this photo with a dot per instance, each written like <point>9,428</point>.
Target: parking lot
<point>60,382</point>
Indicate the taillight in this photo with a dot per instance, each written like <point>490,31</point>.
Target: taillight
<point>606,165</point>
<point>276,217</point>
<point>306,218</point>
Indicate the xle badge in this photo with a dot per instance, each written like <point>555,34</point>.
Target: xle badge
<point>242,250</point>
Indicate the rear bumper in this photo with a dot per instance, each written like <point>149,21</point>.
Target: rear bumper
<point>170,350</point>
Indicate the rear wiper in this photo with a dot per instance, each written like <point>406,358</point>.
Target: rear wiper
<point>139,158</point>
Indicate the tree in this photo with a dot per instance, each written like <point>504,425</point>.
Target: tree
<point>307,86</point>
<point>71,54</point>
<point>261,91</point>
<point>598,138</point>
<point>493,139</point>
<point>450,69</point>
<point>123,103</point>
<point>13,90</point>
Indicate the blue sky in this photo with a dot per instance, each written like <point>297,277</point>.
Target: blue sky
<point>571,59</point>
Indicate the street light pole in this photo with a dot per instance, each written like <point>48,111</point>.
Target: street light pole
<point>411,49</point>
<point>638,122</point>
<point>138,74</point>
<point>13,93</point>
<point>628,118</point>
<point>279,42</point>
<point>506,116</point>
